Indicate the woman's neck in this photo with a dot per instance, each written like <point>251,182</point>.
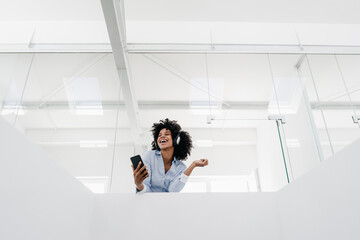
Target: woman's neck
<point>168,155</point>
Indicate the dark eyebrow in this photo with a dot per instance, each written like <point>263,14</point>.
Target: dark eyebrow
<point>167,131</point>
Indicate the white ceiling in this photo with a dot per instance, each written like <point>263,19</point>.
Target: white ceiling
<point>260,11</point>
<point>275,11</point>
<point>41,24</point>
<point>51,10</point>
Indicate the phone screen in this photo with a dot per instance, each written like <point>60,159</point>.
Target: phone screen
<point>136,160</point>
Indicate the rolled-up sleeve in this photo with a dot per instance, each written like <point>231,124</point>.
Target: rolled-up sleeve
<point>178,183</point>
<point>145,189</point>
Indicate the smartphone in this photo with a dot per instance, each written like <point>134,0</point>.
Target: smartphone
<point>136,160</point>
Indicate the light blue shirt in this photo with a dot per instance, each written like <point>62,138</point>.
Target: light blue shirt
<point>173,181</point>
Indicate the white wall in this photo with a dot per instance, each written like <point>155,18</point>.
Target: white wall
<point>186,216</point>
<point>122,178</point>
<point>272,172</point>
<point>303,155</point>
<point>39,200</point>
<point>324,203</point>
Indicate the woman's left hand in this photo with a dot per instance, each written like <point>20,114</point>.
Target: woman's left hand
<point>201,163</point>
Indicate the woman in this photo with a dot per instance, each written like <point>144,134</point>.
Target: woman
<point>163,170</point>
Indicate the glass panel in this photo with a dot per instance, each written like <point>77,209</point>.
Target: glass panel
<point>300,142</point>
<point>70,105</point>
<point>350,72</point>
<point>122,180</point>
<point>334,98</point>
<point>14,70</point>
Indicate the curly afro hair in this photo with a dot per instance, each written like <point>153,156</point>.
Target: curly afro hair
<point>183,149</point>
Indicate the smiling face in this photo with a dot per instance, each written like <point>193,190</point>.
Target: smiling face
<point>164,139</point>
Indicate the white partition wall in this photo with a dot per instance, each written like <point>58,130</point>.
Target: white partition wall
<point>187,216</point>
<point>324,203</point>
<point>38,199</point>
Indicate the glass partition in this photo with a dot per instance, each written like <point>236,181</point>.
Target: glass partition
<point>290,103</point>
<point>68,104</point>
<point>14,73</point>
<point>262,120</point>
<point>332,84</point>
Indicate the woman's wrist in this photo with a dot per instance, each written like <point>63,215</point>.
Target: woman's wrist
<point>193,164</point>
<point>188,171</point>
<point>140,187</point>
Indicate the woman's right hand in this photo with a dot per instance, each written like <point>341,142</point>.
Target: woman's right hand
<point>201,163</point>
<point>140,173</point>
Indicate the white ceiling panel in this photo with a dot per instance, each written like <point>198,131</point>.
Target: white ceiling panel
<point>320,11</point>
<point>50,10</point>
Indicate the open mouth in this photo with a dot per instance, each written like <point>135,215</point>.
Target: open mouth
<point>162,141</point>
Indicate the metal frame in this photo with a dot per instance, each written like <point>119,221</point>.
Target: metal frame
<point>135,48</point>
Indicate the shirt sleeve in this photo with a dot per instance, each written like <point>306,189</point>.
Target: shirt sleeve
<point>178,183</point>
<point>147,182</point>
<point>142,191</point>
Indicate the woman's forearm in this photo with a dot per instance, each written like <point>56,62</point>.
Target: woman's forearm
<point>189,170</point>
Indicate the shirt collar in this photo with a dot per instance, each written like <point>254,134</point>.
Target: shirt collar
<point>176,161</point>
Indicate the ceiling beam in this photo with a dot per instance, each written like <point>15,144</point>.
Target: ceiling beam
<point>143,105</point>
<point>173,105</point>
<point>115,23</point>
<point>143,48</point>
<point>56,48</point>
